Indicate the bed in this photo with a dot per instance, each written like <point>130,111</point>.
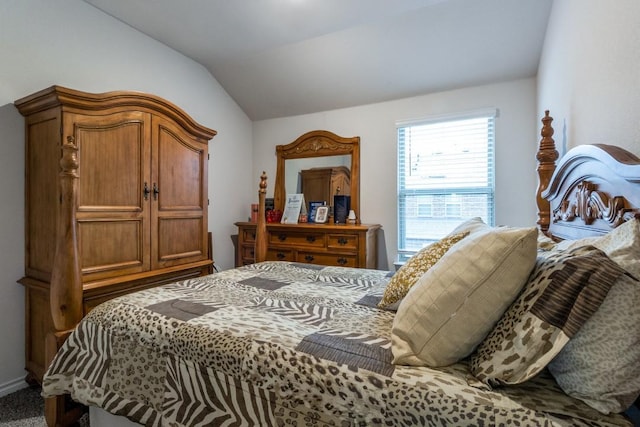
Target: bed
<point>281,343</point>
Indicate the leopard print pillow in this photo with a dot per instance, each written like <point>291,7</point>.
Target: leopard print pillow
<point>562,292</point>
<point>414,268</point>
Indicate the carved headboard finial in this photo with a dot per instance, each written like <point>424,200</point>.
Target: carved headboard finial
<point>547,152</point>
<point>263,182</point>
<point>547,156</point>
<point>260,249</point>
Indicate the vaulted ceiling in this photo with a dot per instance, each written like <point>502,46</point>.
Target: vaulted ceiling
<point>280,58</point>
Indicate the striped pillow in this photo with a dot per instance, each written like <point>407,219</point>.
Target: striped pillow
<point>562,292</point>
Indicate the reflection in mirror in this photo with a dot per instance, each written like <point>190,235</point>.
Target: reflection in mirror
<point>319,156</point>
<point>298,169</point>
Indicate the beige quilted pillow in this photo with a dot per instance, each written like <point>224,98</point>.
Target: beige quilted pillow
<point>414,268</point>
<point>457,302</point>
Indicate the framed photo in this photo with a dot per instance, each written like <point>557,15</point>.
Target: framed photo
<point>313,206</point>
<point>322,212</point>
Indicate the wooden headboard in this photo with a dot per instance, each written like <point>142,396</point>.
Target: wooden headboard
<point>589,192</point>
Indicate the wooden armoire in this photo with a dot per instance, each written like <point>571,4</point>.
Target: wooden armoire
<point>116,201</point>
<point>321,184</point>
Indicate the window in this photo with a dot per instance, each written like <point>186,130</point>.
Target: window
<point>445,175</point>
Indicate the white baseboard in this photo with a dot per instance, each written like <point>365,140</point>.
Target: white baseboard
<point>13,385</point>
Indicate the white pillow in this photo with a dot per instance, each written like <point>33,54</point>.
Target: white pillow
<point>471,226</point>
<point>456,303</point>
<point>622,245</point>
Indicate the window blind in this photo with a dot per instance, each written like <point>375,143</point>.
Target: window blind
<point>445,175</point>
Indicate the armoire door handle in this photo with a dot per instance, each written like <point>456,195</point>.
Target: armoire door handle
<point>155,191</point>
<point>146,191</point>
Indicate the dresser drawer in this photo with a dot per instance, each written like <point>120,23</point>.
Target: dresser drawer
<point>342,241</point>
<point>321,244</point>
<point>247,252</point>
<point>308,239</point>
<point>249,235</point>
<point>280,255</point>
<point>323,258</point>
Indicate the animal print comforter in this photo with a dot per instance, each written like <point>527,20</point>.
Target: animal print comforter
<point>279,343</point>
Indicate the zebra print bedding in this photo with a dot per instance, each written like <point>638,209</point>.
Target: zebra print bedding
<point>280,343</point>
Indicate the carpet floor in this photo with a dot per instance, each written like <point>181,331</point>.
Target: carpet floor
<point>25,408</point>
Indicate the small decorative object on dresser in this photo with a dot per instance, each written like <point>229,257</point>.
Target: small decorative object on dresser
<point>273,215</point>
<point>341,208</point>
<point>351,218</point>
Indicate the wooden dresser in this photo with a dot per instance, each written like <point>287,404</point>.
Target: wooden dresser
<point>324,244</point>
<point>134,170</point>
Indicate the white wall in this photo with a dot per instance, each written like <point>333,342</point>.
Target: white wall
<point>517,134</point>
<point>589,75</point>
<point>12,244</point>
<point>70,43</point>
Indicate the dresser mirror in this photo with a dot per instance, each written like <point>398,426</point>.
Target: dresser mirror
<point>316,151</point>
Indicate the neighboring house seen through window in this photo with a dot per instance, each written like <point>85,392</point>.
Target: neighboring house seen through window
<point>445,176</point>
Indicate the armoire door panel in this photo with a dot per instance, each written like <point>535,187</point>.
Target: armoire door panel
<point>179,170</point>
<point>180,240</point>
<point>42,184</point>
<point>178,213</point>
<point>113,157</point>
<point>112,247</point>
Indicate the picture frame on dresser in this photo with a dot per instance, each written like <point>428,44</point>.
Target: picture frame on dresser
<point>321,215</point>
<point>293,208</point>
<point>313,206</point>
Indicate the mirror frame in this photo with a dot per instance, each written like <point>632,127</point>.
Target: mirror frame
<point>319,143</point>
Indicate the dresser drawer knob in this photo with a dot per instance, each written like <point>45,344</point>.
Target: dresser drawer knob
<point>311,239</point>
<point>342,241</point>
<point>342,261</point>
<point>282,237</point>
<point>280,255</point>
<point>309,258</point>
